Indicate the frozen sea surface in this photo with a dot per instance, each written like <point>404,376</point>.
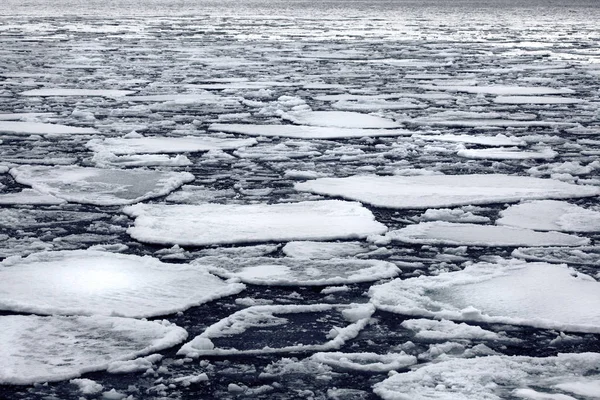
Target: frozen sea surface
<point>191,161</point>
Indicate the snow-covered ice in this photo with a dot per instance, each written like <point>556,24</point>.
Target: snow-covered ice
<point>367,362</point>
<point>495,378</point>
<point>508,153</point>
<point>40,128</point>
<point>500,292</point>
<point>427,191</point>
<point>86,282</point>
<point>459,234</point>
<point>306,132</point>
<point>269,320</point>
<point>497,140</point>
<point>536,100</point>
<point>206,224</point>
<point>551,215</point>
<point>166,145</point>
<point>76,92</point>
<point>339,119</point>
<point>501,89</point>
<point>45,349</point>
<point>323,250</point>
<point>288,271</point>
<point>99,186</point>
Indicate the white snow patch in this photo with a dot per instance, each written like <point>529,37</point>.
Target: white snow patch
<point>87,282</point>
<point>207,224</point>
<point>44,349</point>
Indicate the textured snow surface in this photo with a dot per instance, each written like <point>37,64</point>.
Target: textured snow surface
<point>166,145</point>
<point>306,132</point>
<point>443,190</point>
<point>270,320</point>
<point>441,232</point>
<point>229,223</point>
<point>98,186</point>
<point>42,349</point>
<point>500,292</point>
<point>339,119</point>
<point>495,378</point>
<point>290,271</point>
<point>87,282</point>
<point>551,215</point>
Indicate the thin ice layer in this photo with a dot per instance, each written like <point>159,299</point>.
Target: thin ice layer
<point>100,186</point>
<point>270,320</point>
<point>551,215</point>
<point>428,191</point>
<point>45,349</point>
<point>207,224</point>
<point>288,271</point>
<point>340,119</point>
<point>85,282</point>
<point>500,292</point>
<point>166,145</point>
<point>441,232</point>
<point>40,128</point>
<point>494,378</point>
<point>306,132</point>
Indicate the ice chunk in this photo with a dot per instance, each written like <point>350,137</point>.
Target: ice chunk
<point>87,282</point>
<point>588,255</point>
<point>508,153</point>
<point>201,225</point>
<point>87,386</point>
<point>323,250</point>
<point>498,140</point>
<point>584,386</point>
<point>241,327</point>
<point>290,271</point>
<point>106,159</point>
<point>500,89</point>
<point>43,349</point>
<point>500,292</point>
<point>306,132</point>
<point>491,378</point>
<point>100,186</point>
<point>40,128</point>
<point>441,232</point>
<point>202,97</point>
<point>428,191</point>
<point>427,329</point>
<point>339,119</point>
<point>166,145</point>
<point>551,215</point>
<point>368,362</point>
<point>536,100</point>
<point>76,92</point>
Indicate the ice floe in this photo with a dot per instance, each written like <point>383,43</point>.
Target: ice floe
<point>536,100</point>
<point>288,271</point>
<point>365,362</point>
<point>339,119</point>
<point>551,215</point>
<point>500,292</point>
<point>86,282</point>
<point>29,196</point>
<point>497,377</point>
<point>256,330</point>
<point>427,329</point>
<point>100,186</point>
<point>508,153</point>
<point>586,255</point>
<point>500,89</point>
<point>206,224</point>
<point>498,140</point>
<point>323,250</point>
<point>40,128</point>
<point>306,132</point>
<point>427,191</point>
<point>44,349</point>
<point>460,234</point>
<point>166,145</point>
<point>76,92</point>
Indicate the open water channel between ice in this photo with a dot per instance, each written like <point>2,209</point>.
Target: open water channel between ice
<point>299,200</point>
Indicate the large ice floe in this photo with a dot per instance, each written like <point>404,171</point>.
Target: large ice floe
<point>500,292</point>
<point>40,128</point>
<point>450,233</point>
<point>100,186</point>
<point>86,282</point>
<point>339,119</point>
<point>288,271</point>
<point>564,377</point>
<point>260,330</point>
<point>426,191</point>
<point>551,215</point>
<point>166,145</point>
<point>207,224</point>
<point>43,349</point>
<point>306,132</point>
